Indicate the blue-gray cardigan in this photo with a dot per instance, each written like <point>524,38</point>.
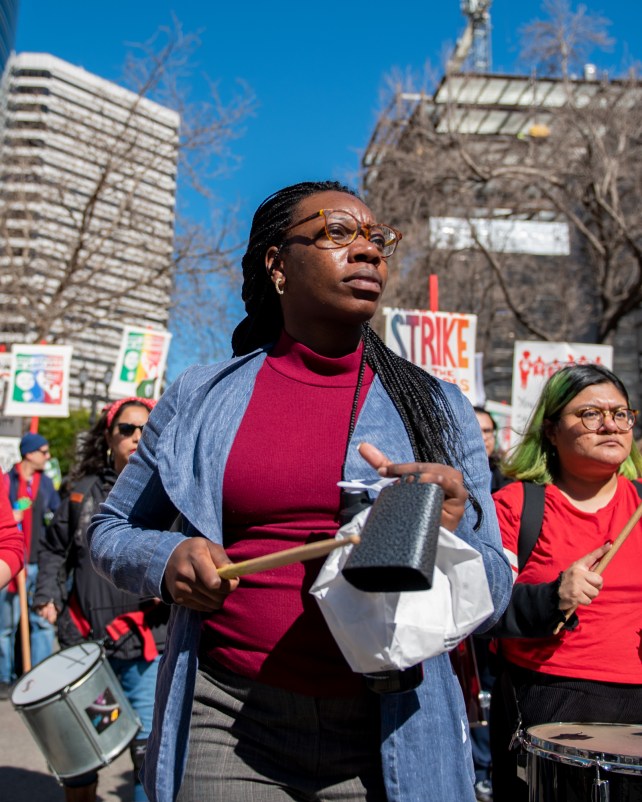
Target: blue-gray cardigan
<point>179,466</point>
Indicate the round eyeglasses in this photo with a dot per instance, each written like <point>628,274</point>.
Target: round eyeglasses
<point>342,228</point>
<point>593,418</point>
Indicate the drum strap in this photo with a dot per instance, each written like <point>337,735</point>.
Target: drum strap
<point>77,498</point>
<point>530,522</point>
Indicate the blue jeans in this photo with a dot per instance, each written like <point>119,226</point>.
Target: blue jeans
<point>42,632</point>
<point>480,736</point>
<point>138,678</point>
<point>9,618</point>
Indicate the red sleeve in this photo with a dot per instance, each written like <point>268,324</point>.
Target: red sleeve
<point>509,502</point>
<point>12,545</point>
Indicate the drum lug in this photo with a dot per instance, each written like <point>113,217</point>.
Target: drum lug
<point>484,706</point>
<point>600,791</point>
<point>517,738</point>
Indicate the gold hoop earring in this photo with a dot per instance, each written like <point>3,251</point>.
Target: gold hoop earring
<point>278,285</point>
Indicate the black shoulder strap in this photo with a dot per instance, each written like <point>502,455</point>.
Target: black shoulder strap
<point>76,500</point>
<point>530,524</point>
<point>638,486</point>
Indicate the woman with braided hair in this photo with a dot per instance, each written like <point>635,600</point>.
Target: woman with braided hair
<point>255,700</point>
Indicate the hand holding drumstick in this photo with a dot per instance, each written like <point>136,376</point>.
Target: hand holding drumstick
<point>582,581</point>
<point>199,574</point>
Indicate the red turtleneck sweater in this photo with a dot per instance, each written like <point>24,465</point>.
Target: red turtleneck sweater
<point>280,491</point>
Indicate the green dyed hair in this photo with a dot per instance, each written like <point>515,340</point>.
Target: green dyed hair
<point>534,459</point>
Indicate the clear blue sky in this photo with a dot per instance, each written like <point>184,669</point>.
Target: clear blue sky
<point>316,69</point>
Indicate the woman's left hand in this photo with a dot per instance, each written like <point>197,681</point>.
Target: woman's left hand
<point>449,479</point>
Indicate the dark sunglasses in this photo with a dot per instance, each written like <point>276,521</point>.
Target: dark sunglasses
<point>128,429</point>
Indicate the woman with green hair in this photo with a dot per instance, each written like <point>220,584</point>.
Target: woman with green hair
<point>558,665</point>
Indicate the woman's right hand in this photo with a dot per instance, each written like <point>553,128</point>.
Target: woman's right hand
<point>48,612</point>
<point>191,577</point>
<point>580,584</point>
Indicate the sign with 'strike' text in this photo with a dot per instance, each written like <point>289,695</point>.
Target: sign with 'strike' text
<point>442,343</point>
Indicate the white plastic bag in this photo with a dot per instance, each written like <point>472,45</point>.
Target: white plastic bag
<point>382,631</point>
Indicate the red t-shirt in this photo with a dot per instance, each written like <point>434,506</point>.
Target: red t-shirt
<point>280,491</point>
<point>12,542</point>
<point>606,646</point>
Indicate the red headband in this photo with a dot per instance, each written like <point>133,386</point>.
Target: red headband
<point>114,408</point>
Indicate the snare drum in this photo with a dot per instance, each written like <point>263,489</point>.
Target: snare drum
<point>76,710</point>
<point>584,762</point>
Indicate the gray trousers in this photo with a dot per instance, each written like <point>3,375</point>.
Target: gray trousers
<point>250,742</point>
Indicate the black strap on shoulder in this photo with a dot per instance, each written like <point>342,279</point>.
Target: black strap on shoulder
<point>638,486</point>
<point>77,497</point>
<point>530,523</point>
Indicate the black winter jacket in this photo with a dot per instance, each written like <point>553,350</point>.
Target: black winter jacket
<point>65,569</point>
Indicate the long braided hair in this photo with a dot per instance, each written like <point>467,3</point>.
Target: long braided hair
<point>418,397</point>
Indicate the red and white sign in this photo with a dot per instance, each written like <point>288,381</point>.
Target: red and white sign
<point>534,362</point>
<point>442,343</point>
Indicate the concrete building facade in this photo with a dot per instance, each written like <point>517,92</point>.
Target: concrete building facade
<point>87,198</point>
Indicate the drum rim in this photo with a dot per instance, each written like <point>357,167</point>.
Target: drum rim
<point>65,688</point>
<point>573,755</point>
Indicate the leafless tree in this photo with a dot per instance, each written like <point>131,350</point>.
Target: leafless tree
<point>577,160</point>
<point>560,43</point>
<point>78,248</point>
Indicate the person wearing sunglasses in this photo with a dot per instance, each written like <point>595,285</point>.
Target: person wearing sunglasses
<point>33,499</point>
<point>578,453</point>
<point>250,452</point>
<point>92,608</point>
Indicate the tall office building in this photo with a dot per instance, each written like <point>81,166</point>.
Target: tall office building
<point>87,193</point>
<point>8,22</point>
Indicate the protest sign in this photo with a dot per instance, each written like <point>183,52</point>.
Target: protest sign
<point>9,452</point>
<point>535,361</point>
<point>442,343</point>
<point>141,363</point>
<point>39,381</point>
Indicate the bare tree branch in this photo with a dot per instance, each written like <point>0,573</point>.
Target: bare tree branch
<point>65,236</point>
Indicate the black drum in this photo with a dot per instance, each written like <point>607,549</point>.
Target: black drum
<point>584,762</point>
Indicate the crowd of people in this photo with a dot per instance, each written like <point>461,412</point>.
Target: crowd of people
<point>253,698</point>
<point>67,595</point>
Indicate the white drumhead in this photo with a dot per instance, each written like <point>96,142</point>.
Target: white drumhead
<point>56,673</point>
<point>618,744</point>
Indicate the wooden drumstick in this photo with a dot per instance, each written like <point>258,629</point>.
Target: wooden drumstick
<point>286,557</point>
<point>25,643</point>
<point>599,568</point>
